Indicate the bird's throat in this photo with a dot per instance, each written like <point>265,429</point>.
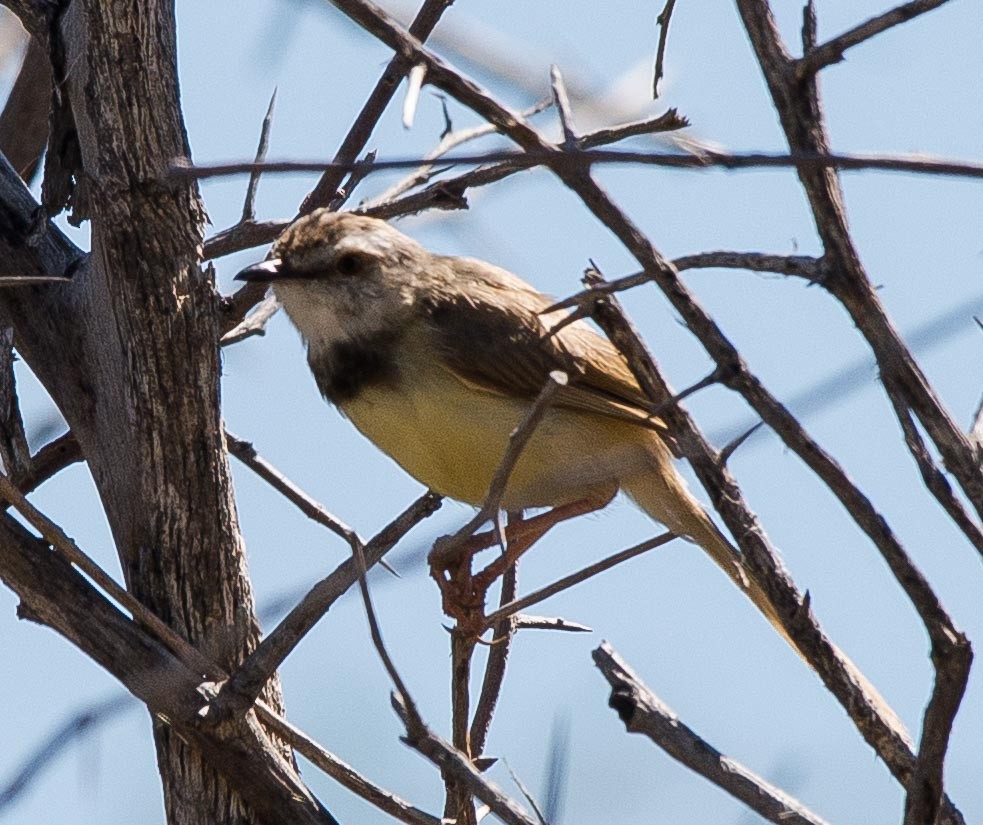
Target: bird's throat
<point>347,367</point>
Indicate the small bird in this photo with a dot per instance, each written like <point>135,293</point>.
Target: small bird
<point>436,360</point>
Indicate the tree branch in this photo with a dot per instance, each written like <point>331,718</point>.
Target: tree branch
<point>241,690</point>
<point>643,712</point>
<point>55,595</point>
<point>832,51</point>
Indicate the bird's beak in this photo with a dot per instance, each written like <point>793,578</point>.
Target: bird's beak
<point>264,271</point>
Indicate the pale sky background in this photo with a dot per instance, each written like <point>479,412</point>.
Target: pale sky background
<point>682,626</point>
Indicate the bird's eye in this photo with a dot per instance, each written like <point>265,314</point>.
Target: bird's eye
<point>348,264</point>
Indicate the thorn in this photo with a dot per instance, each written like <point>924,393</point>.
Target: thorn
<point>729,450</point>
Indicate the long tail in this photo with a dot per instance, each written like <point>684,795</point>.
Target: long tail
<point>662,493</point>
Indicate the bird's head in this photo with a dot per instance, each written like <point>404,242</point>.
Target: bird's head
<point>340,275</point>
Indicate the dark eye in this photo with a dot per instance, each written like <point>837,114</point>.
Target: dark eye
<point>349,264</point>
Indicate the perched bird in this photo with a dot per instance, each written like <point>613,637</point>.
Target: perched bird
<point>436,360</point>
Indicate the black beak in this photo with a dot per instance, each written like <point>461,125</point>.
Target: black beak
<point>263,272</point>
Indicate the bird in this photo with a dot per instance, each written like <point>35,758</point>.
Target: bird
<point>436,359</point>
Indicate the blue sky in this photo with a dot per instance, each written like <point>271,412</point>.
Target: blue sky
<point>676,620</point>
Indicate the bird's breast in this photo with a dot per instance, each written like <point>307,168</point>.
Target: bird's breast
<point>452,436</point>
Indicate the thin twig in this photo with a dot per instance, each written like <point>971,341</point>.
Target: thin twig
<point>668,121</point>
<point>241,236</point>
<point>524,622</point>
<point>450,761</point>
<point>498,655</point>
<point>254,323</point>
<point>643,712</point>
<point>584,159</point>
<point>581,575</point>
<point>660,54</point>
<point>249,205</point>
<point>79,724</point>
<point>360,171</point>
<point>731,447</point>
<point>448,141</point>
<point>403,694</point>
<point>933,477</point>
<point>562,101</point>
<point>57,538</point>
<point>365,122</point>
<point>832,50</point>
<point>246,453</point>
<point>449,192</point>
<point>342,773</point>
<point>804,266</point>
<point>517,441</point>
<point>241,690</point>
<point>526,794</point>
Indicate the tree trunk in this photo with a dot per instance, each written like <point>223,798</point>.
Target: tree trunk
<point>129,352</point>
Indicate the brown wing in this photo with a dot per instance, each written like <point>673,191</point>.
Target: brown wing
<point>490,334</point>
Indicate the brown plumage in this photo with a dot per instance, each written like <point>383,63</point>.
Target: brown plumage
<point>436,360</point>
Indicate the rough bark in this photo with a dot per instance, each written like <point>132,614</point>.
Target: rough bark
<point>129,352</point>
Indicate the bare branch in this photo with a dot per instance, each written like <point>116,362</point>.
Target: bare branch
<point>802,265</point>
<point>660,54</point>
<point>952,657</point>
<point>576,578</point>
<point>578,159</point>
<point>498,655</point>
<point>57,538</point>
<point>241,690</point>
<point>524,622</point>
<point>344,774</point>
<point>452,762</point>
<point>246,453</point>
<point>800,112</point>
<point>643,712</point>
<point>249,206</point>
<point>239,237</point>
<point>254,323</point>
<point>933,477</point>
<point>832,50</point>
<point>668,121</point>
<point>562,101</point>
<point>359,172</point>
<point>361,129</point>
<point>449,193</point>
<point>55,595</point>
<point>14,451</point>
<point>48,461</point>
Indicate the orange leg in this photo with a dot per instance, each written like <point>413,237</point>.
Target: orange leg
<point>464,592</point>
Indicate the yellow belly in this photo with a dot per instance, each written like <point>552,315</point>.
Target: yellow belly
<point>451,437</point>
